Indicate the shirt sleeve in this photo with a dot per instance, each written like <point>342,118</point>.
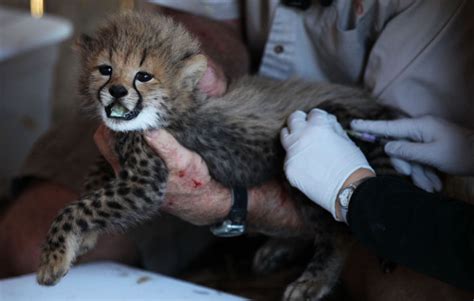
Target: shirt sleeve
<point>424,231</point>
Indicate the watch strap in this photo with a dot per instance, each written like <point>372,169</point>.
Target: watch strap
<point>234,223</point>
<point>238,209</point>
<point>344,209</point>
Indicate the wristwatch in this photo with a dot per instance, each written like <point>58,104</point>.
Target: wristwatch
<point>234,224</point>
<point>344,198</point>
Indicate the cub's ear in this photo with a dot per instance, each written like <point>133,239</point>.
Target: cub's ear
<point>84,43</point>
<point>192,71</point>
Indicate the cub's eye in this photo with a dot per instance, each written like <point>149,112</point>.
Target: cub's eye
<point>143,76</point>
<point>105,70</point>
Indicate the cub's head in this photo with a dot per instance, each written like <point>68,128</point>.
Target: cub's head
<point>137,68</point>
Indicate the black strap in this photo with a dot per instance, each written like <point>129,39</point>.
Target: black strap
<point>238,210</point>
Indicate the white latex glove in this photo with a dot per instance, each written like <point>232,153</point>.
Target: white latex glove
<point>432,141</point>
<point>319,156</point>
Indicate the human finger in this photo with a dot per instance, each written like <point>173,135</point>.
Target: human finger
<point>296,121</point>
<point>104,140</point>
<point>420,179</point>
<point>401,128</point>
<point>318,117</point>
<point>176,157</point>
<point>411,151</point>
<point>214,81</point>
<point>401,166</point>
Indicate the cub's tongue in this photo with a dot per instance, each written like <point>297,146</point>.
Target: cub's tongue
<point>118,110</point>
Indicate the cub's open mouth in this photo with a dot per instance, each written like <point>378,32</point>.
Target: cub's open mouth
<point>117,111</point>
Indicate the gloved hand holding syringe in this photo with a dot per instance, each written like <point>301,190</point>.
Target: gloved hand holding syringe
<point>423,176</point>
<point>425,140</point>
<point>412,144</point>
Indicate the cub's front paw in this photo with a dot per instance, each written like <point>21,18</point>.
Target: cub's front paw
<point>54,265</point>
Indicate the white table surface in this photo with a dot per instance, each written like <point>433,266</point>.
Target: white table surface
<point>108,281</point>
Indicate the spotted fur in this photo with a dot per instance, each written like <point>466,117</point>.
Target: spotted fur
<point>237,135</point>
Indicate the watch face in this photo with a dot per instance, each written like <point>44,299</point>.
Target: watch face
<point>345,196</point>
<point>228,229</point>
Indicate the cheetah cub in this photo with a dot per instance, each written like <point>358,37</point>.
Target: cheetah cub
<point>140,72</point>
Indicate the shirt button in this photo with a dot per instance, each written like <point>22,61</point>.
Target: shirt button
<point>278,49</point>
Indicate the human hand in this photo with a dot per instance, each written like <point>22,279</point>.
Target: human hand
<point>195,197</point>
<point>214,81</point>
<point>191,193</point>
<point>320,156</point>
<point>104,140</point>
<point>431,141</point>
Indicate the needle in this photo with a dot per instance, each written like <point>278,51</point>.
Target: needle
<point>368,137</point>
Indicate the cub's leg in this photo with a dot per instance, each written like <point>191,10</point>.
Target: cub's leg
<point>322,273</point>
<point>88,242</point>
<point>278,253</point>
<point>98,176</point>
<point>120,203</point>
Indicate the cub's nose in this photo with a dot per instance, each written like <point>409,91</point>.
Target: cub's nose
<point>118,91</point>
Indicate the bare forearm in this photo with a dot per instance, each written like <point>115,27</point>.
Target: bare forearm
<point>270,209</point>
<point>205,208</point>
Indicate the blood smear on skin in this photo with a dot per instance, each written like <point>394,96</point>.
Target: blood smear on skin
<point>197,183</point>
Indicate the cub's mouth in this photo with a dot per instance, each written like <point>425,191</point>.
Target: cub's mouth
<point>117,111</point>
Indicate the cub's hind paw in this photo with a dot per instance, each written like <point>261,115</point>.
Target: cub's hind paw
<point>305,290</point>
<point>268,260</point>
<point>53,267</point>
<point>277,254</point>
